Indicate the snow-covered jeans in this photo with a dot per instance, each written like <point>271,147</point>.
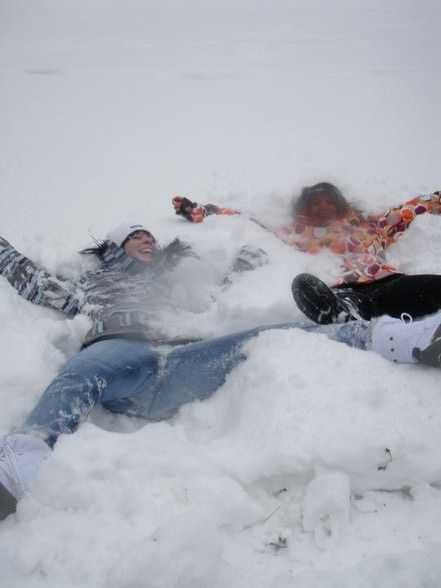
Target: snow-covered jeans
<point>134,378</point>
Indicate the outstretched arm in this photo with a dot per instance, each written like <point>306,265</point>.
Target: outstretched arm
<point>195,212</point>
<point>396,220</point>
<point>36,284</point>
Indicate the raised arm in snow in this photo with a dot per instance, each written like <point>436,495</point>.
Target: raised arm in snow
<point>36,284</point>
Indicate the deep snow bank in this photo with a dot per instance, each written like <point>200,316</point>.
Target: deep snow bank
<point>315,464</point>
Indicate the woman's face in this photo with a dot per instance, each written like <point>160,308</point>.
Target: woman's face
<point>141,245</point>
<point>322,210</point>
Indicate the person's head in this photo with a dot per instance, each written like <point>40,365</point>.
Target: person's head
<point>321,204</point>
<point>136,240</point>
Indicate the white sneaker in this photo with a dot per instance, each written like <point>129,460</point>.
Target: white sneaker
<point>396,338</point>
<point>21,457</point>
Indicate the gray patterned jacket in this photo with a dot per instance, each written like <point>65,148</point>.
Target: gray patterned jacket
<point>120,296</point>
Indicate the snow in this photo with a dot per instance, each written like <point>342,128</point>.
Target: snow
<point>326,506</point>
<point>315,464</point>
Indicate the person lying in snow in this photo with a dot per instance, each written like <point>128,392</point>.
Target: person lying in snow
<point>368,286</point>
<point>131,368</point>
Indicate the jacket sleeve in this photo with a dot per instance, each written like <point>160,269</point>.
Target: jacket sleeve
<point>195,212</point>
<point>397,220</point>
<point>300,237</point>
<point>209,209</point>
<point>35,284</point>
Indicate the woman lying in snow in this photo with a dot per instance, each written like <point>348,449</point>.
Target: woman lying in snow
<point>129,366</point>
<point>369,286</point>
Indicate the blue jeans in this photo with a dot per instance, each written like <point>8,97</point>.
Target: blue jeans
<point>134,378</point>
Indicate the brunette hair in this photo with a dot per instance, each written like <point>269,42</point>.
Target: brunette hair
<point>302,204</point>
<point>99,249</point>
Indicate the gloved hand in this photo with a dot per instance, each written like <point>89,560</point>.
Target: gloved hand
<point>180,248</point>
<point>249,258</point>
<point>172,254</point>
<point>184,207</point>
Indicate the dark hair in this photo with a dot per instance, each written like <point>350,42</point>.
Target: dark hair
<point>301,205</point>
<point>99,249</point>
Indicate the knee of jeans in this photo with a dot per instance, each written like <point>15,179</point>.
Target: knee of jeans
<point>77,385</point>
<point>133,407</point>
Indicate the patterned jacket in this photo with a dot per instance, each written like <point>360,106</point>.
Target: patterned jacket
<point>121,297</point>
<point>360,241</point>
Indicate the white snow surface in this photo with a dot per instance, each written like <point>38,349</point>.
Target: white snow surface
<point>315,465</point>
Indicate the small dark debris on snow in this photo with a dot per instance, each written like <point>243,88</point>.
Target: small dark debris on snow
<point>281,543</point>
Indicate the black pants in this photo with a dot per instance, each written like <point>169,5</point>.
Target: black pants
<point>414,295</point>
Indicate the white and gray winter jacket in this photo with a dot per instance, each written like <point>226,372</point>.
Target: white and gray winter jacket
<point>120,296</point>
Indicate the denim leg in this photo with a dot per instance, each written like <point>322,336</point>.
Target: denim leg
<point>127,377</point>
<point>195,371</point>
<point>352,333</point>
<point>108,371</point>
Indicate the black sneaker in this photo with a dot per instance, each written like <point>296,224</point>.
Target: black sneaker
<point>319,303</point>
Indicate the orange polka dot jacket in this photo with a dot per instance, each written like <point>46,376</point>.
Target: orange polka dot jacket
<point>360,241</point>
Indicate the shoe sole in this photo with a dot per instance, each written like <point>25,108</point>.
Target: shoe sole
<point>315,299</point>
<point>431,355</point>
<point>8,503</point>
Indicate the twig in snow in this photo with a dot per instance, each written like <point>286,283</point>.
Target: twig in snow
<point>384,465</point>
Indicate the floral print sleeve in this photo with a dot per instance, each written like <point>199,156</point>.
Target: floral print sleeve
<point>398,219</point>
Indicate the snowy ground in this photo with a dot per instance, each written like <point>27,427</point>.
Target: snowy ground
<point>315,465</point>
